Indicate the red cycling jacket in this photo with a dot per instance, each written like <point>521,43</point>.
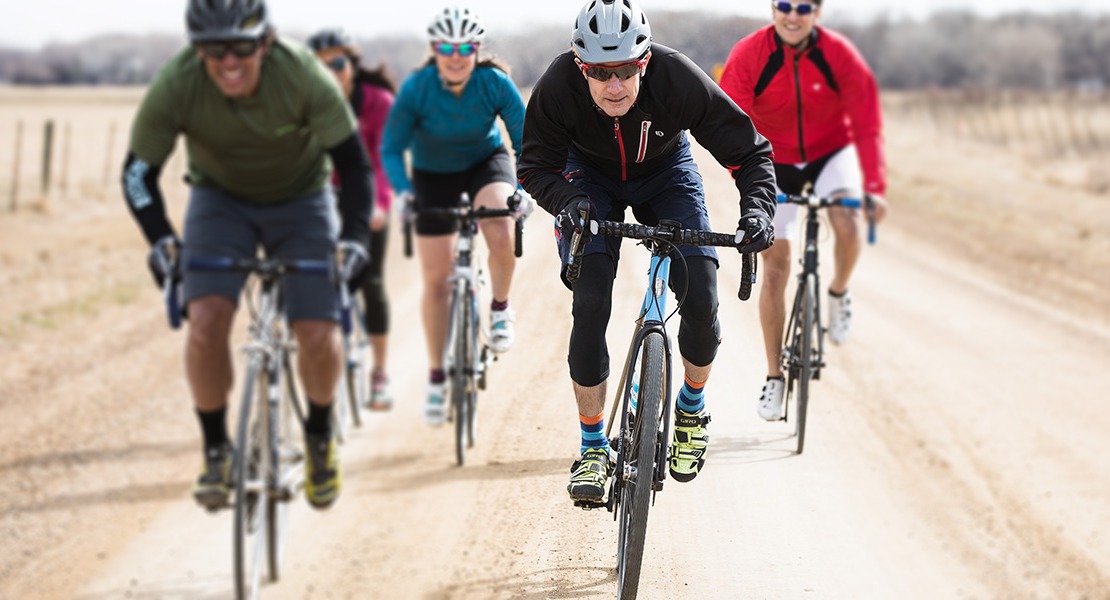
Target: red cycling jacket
<point>809,103</point>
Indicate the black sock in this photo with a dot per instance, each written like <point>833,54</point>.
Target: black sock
<point>319,419</point>
<point>213,424</point>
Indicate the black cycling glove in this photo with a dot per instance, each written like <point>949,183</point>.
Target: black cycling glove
<point>755,233</point>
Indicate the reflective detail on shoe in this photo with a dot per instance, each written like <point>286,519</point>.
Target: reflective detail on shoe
<point>689,445</point>
<point>840,317</point>
<point>502,330</point>
<point>588,475</point>
<point>321,476</point>
<point>770,401</point>
<point>214,484</point>
<point>435,404</point>
<point>381,397</point>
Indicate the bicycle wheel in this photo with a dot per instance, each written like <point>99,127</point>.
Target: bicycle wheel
<point>639,467</point>
<point>461,363</point>
<point>478,366</point>
<point>250,508</point>
<point>286,467</point>
<point>357,374</point>
<point>806,350</point>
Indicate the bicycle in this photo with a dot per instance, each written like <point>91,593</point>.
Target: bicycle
<point>643,441</point>
<point>267,463</point>
<point>466,360</point>
<point>803,355</point>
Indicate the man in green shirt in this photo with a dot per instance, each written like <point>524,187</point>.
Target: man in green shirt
<point>260,117</point>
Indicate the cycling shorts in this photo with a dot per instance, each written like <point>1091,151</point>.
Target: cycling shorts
<point>443,190</point>
<point>837,173</point>
<point>219,225</point>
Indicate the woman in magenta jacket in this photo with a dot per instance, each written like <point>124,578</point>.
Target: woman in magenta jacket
<point>370,93</point>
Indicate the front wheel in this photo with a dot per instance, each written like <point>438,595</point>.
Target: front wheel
<point>250,490</point>
<point>806,349</point>
<point>461,366</point>
<point>638,466</point>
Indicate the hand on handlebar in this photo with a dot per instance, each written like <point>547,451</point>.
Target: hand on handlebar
<point>755,233</point>
<point>876,207</point>
<point>353,259</point>
<point>570,221</point>
<point>162,260</point>
<point>524,205</point>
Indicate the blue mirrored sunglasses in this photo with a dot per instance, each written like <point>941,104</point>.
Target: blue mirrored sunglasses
<point>446,49</point>
<point>802,8</point>
<point>338,63</point>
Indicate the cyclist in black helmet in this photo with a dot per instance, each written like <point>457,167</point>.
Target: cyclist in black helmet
<point>605,131</point>
<point>258,141</point>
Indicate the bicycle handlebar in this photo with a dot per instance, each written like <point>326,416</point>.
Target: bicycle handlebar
<point>815,201</point>
<point>271,268</point>
<point>465,214</point>
<point>664,233</point>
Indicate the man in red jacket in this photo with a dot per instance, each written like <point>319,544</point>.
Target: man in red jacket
<point>808,90</point>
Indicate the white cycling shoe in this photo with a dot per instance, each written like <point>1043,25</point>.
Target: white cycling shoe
<point>840,317</point>
<point>502,331</point>
<point>770,403</point>
<point>435,405</point>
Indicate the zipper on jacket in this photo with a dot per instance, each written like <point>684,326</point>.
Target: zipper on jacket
<point>798,95</point>
<point>620,144</point>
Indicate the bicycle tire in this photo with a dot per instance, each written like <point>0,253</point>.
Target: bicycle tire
<point>248,535</point>
<point>476,366</point>
<point>461,362</point>
<point>285,458</point>
<point>635,498</point>
<point>357,374</point>
<point>807,353</point>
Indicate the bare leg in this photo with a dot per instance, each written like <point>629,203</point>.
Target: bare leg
<point>319,358</point>
<point>772,302</point>
<point>499,237</point>
<point>436,259</point>
<point>846,248</point>
<point>208,366</point>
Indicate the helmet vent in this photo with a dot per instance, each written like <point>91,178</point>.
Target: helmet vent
<point>624,23</point>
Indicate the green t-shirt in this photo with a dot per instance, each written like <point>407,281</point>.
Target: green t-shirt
<point>266,148</point>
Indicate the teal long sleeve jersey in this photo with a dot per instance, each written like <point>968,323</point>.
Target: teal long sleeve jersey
<point>446,133</point>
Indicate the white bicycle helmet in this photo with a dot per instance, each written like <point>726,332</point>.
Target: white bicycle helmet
<point>608,31</point>
<point>456,25</point>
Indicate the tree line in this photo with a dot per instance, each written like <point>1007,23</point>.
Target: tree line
<point>952,50</point>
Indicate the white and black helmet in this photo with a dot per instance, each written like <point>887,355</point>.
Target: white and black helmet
<point>611,31</point>
<point>456,25</point>
<point>212,20</point>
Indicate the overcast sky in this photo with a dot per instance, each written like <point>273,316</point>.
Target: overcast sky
<point>32,23</point>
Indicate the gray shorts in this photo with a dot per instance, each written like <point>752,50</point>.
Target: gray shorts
<point>218,225</point>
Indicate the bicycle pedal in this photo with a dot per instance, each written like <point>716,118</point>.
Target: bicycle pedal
<point>589,504</point>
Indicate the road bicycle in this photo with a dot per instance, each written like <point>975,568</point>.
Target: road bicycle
<point>642,442</point>
<point>803,355</point>
<point>268,460</point>
<point>467,355</point>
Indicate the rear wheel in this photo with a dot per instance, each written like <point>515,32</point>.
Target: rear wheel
<point>638,466</point>
<point>250,492</point>
<point>357,372</point>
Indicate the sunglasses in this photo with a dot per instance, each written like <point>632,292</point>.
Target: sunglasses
<point>802,8</point>
<point>240,48</point>
<point>446,49</point>
<point>337,64</point>
<point>603,72</point>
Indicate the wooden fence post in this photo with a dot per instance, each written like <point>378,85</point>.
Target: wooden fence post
<point>15,164</point>
<point>47,153</point>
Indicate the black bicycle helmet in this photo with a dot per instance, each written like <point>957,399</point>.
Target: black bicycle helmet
<point>214,20</point>
<point>326,39</point>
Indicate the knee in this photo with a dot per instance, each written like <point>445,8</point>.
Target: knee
<point>210,321</point>
<point>316,337</point>
<point>591,304</point>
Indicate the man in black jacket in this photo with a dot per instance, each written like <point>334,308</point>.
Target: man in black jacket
<point>604,131</point>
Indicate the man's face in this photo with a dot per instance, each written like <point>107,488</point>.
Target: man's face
<point>614,95</point>
<point>793,27</point>
<point>234,66</point>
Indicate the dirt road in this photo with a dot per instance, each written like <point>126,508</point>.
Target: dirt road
<point>957,446</point>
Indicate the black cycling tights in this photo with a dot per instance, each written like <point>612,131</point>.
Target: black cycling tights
<point>699,333</point>
<point>373,287</point>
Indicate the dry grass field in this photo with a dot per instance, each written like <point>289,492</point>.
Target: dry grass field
<point>957,447</point>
